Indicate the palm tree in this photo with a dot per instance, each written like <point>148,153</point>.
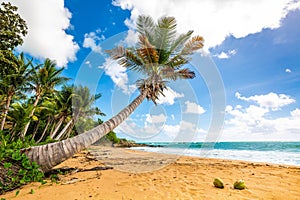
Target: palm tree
<point>160,55</point>
<point>14,78</point>
<point>63,107</point>
<point>17,118</point>
<point>43,81</point>
<point>82,107</point>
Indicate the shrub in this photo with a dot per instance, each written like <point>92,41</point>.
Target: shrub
<point>15,168</point>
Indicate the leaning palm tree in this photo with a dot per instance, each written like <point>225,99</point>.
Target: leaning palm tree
<point>159,55</point>
<point>43,81</point>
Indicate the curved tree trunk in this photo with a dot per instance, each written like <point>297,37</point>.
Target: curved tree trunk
<point>61,120</point>
<point>64,130</point>
<point>45,130</point>
<point>30,115</point>
<point>7,105</point>
<point>49,155</point>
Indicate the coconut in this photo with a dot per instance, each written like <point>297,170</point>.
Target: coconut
<point>240,185</point>
<point>218,183</point>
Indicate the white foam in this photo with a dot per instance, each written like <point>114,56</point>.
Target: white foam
<point>276,157</point>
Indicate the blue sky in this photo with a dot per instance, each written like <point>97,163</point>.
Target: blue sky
<point>248,75</point>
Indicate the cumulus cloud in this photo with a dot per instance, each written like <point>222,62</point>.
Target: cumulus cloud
<point>118,75</point>
<point>92,40</point>
<point>170,96</point>
<point>214,20</point>
<point>193,108</point>
<point>254,122</point>
<point>271,100</point>
<point>47,23</point>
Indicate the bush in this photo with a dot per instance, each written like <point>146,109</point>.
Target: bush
<point>15,168</point>
<point>113,137</point>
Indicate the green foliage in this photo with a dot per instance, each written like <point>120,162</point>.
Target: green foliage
<point>113,137</point>
<point>47,141</point>
<point>16,169</point>
<point>13,27</point>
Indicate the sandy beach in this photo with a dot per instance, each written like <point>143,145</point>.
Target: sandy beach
<point>142,175</point>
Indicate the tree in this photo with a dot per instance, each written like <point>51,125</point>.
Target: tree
<point>63,107</point>
<point>160,56</point>
<point>13,79</point>
<point>12,27</point>
<point>17,118</point>
<point>43,81</point>
<point>82,108</point>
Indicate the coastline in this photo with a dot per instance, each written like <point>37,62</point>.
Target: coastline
<point>144,175</point>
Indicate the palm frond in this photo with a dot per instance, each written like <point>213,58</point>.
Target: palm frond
<point>165,33</point>
<point>147,51</point>
<point>116,53</point>
<point>146,26</point>
<point>177,62</point>
<point>185,74</point>
<point>178,44</point>
<point>131,60</point>
<point>193,45</point>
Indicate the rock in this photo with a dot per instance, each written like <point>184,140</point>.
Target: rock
<point>240,185</point>
<point>218,183</point>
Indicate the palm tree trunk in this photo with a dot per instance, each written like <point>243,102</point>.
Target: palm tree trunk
<point>36,129</point>
<point>8,100</point>
<point>31,114</point>
<point>61,120</point>
<point>64,130</point>
<point>45,130</point>
<point>49,155</point>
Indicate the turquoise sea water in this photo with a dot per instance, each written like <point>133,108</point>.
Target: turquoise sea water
<point>269,152</point>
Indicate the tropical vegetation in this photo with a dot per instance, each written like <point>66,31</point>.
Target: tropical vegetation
<point>39,109</point>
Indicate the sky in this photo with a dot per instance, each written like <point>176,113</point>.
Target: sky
<point>247,75</point>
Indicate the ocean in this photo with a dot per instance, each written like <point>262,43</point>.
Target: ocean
<point>287,153</point>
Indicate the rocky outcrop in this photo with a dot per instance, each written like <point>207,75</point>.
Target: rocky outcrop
<point>128,144</point>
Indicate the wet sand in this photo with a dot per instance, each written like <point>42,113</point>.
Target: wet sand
<point>142,175</point>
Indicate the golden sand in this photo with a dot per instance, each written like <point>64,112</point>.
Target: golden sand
<point>140,175</point>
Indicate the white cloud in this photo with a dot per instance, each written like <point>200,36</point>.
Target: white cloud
<point>287,70</point>
<point>295,113</point>
<point>271,100</point>
<point>223,55</point>
<point>259,123</point>
<point>156,118</point>
<point>214,20</point>
<point>226,55</point>
<point>172,117</point>
<point>170,96</point>
<point>88,63</point>
<point>47,23</point>
<point>131,38</point>
<point>193,108</point>
<point>92,40</point>
<point>118,75</point>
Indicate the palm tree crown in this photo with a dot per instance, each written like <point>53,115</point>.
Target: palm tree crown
<point>160,54</point>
